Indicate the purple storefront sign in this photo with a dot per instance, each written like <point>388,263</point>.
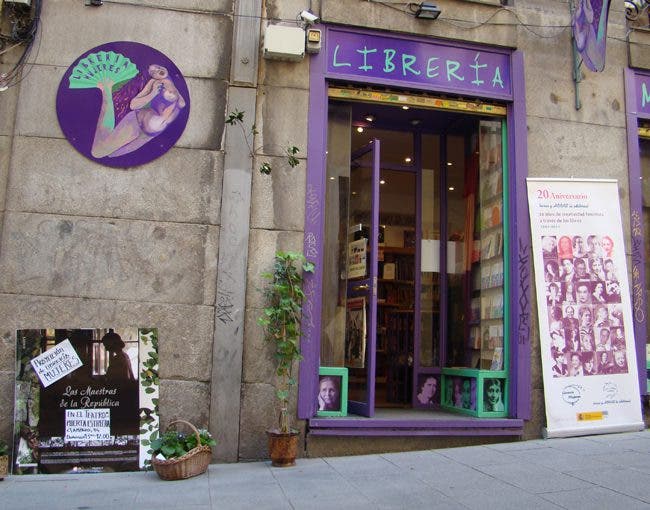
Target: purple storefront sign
<point>422,64</point>
<point>122,104</point>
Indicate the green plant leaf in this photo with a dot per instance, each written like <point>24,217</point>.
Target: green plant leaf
<point>265,168</point>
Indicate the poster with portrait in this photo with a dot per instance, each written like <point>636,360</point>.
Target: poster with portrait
<point>585,317</point>
<point>122,104</point>
<point>332,395</point>
<point>86,399</point>
<point>355,333</point>
<point>357,258</point>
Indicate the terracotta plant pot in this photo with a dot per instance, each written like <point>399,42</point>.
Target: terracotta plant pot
<point>283,448</point>
<point>4,465</point>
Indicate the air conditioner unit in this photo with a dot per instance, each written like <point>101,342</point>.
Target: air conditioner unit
<point>28,3</point>
<point>284,42</point>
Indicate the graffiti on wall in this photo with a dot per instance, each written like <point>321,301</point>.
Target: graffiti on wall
<point>638,294</point>
<point>523,263</point>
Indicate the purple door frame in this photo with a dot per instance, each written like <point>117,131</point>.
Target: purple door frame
<point>635,109</point>
<point>506,70</point>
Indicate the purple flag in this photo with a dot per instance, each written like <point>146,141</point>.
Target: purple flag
<point>589,25</point>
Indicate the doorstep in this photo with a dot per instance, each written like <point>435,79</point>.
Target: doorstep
<point>414,422</point>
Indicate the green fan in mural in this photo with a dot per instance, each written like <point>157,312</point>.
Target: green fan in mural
<point>149,111</point>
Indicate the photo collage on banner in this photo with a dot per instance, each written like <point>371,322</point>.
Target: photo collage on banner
<point>584,309</point>
<point>86,399</point>
<point>583,305</point>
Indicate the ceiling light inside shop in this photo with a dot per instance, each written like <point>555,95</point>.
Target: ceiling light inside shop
<point>451,188</point>
<point>359,129</point>
<point>370,118</point>
<point>407,160</point>
<point>382,181</point>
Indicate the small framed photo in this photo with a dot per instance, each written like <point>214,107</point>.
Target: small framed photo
<point>332,392</point>
<point>428,394</point>
<point>494,391</point>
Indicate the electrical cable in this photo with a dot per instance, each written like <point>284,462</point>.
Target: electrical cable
<point>23,35</point>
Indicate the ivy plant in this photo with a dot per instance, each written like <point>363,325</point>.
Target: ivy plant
<point>236,118</point>
<point>281,322</point>
<point>149,380</point>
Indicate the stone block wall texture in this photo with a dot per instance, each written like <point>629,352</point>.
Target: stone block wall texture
<point>83,245</point>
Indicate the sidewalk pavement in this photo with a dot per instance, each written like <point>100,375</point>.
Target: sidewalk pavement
<point>596,472</point>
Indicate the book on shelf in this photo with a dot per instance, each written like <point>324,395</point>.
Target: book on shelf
<point>485,307</point>
<point>475,309</point>
<point>389,271</point>
<point>485,276</point>
<point>497,306</point>
<point>476,250</point>
<point>475,337</point>
<point>496,274</point>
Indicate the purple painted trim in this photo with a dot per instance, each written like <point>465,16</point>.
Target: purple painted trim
<point>374,266</point>
<point>378,427</point>
<point>514,431</point>
<point>639,291</point>
<point>313,238</point>
<point>519,238</point>
<point>478,423</point>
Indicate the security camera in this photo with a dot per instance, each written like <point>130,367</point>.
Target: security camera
<point>308,17</point>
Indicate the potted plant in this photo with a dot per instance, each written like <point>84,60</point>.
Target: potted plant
<point>4,459</point>
<point>281,323</point>
<point>176,455</point>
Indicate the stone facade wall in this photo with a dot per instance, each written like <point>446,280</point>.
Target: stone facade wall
<point>84,245</point>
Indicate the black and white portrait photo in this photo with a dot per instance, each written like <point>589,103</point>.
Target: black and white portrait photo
<point>493,395</point>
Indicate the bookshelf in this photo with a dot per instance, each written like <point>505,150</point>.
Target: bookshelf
<point>395,325</point>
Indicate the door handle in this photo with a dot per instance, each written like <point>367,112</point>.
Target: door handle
<point>365,286</point>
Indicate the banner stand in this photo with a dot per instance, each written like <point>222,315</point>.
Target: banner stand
<point>587,343</point>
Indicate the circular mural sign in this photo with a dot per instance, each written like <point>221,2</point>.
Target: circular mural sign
<point>122,104</point>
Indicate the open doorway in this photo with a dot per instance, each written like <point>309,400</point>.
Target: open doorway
<point>413,276</point>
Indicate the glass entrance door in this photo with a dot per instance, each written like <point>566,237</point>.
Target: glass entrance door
<point>361,278</point>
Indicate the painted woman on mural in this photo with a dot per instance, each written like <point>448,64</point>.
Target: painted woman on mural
<point>135,107</point>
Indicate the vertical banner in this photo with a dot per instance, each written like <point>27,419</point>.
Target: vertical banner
<point>589,25</point>
<point>583,300</point>
<point>86,399</point>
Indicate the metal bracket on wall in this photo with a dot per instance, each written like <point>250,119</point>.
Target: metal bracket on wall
<point>576,63</point>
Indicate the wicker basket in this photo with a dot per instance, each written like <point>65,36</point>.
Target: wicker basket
<point>194,462</point>
<point>4,465</point>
